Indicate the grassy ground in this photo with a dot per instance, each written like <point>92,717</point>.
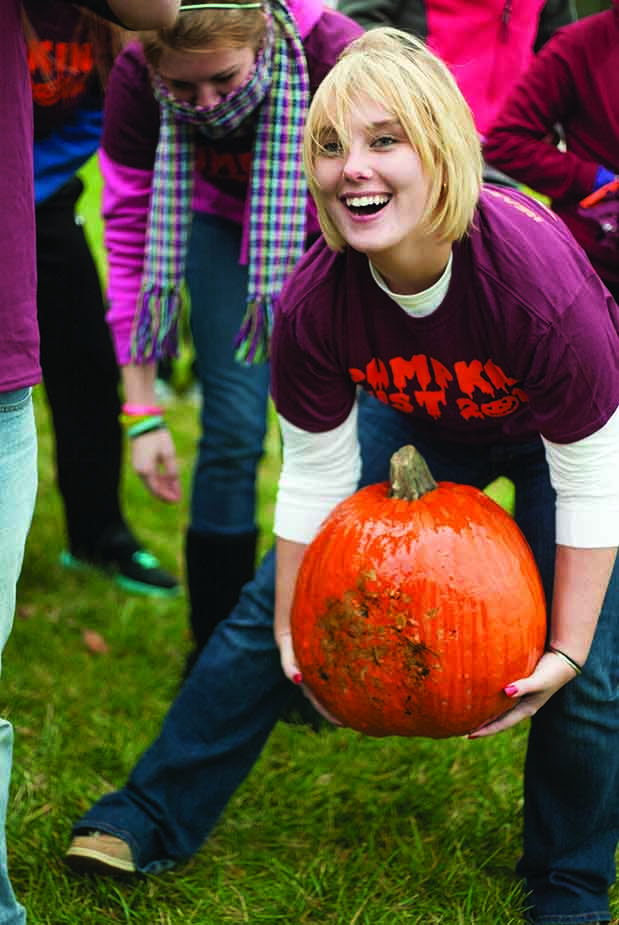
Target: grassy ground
<point>330,828</point>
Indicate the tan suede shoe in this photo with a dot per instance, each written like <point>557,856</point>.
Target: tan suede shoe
<point>98,853</point>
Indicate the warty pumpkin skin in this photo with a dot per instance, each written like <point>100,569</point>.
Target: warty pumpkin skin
<point>410,617</point>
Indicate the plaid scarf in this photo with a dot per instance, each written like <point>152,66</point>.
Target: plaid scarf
<point>277,194</point>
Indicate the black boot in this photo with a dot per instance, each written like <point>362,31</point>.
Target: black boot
<point>217,566</point>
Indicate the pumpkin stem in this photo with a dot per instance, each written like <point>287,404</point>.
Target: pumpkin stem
<point>409,475</point>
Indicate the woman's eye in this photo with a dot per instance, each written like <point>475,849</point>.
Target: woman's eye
<point>384,141</point>
<point>180,86</point>
<point>331,146</point>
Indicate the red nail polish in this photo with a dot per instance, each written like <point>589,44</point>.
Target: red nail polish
<point>511,690</point>
<point>297,678</point>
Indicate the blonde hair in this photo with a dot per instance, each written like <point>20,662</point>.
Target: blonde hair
<point>397,71</point>
<point>212,28</point>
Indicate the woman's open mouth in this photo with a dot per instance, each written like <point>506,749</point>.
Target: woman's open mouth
<point>366,205</point>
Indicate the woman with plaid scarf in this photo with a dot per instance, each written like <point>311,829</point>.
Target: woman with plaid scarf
<point>203,183</point>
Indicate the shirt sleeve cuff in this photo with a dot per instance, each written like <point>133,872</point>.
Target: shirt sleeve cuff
<point>593,527</point>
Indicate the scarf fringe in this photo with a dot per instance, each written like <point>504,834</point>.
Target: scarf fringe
<point>155,329</point>
<point>252,341</point>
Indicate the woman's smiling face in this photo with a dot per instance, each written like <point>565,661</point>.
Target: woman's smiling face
<point>374,188</point>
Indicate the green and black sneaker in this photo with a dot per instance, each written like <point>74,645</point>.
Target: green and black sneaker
<point>122,558</point>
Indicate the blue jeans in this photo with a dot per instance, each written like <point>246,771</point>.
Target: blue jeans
<point>223,715</point>
<point>234,397</point>
<point>18,480</point>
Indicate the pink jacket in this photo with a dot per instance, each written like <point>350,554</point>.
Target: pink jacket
<point>485,50</point>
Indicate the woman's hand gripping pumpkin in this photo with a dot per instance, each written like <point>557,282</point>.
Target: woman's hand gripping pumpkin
<point>289,557</point>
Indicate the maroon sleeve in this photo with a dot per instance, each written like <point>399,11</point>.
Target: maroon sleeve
<point>131,118</point>
<point>323,44</point>
<point>549,93</point>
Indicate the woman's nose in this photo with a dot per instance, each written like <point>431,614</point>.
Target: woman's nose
<point>356,164</point>
<point>207,95</point>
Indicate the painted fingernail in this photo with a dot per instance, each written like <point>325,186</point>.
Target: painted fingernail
<point>297,678</point>
<point>511,690</point>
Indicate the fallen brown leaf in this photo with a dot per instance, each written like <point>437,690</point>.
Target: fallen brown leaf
<point>95,642</point>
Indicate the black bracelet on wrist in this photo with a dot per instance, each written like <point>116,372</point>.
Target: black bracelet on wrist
<point>566,658</point>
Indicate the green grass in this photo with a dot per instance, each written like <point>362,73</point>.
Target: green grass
<point>330,828</point>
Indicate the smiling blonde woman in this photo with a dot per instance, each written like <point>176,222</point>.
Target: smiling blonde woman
<point>494,349</point>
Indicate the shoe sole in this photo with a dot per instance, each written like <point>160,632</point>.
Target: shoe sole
<point>127,584</point>
<point>90,861</point>
<point>138,587</point>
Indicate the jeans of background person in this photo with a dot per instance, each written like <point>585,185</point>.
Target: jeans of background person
<point>18,481</point>
<point>79,372</point>
<point>222,717</point>
<point>234,397</point>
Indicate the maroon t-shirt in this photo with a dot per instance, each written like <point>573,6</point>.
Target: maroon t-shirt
<point>526,341</point>
<point>19,364</point>
<point>19,341</point>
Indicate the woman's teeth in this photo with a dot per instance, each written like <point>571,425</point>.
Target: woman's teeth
<point>366,204</point>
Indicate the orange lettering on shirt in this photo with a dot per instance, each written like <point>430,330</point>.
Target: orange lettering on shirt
<point>470,377</point>
<point>442,376</point>
<point>40,58</point>
<point>469,409</point>
<point>59,71</point>
<point>401,401</point>
<point>377,375</point>
<point>517,205</point>
<point>497,377</point>
<point>431,401</point>
<point>436,381</point>
<point>405,370</point>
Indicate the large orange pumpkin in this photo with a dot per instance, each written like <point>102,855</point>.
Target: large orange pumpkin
<point>415,605</point>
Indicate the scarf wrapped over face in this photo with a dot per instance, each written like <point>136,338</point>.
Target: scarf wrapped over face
<point>277,191</point>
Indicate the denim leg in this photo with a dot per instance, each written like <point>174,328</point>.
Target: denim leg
<point>571,781</point>
<point>571,812</point>
<point>209,741</point>
<point>526,466</point>
<point>233,418</point>
<point>18,479</point>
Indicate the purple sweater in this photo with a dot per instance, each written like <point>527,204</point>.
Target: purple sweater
<point>130,136</point>
<point>574,80</point>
